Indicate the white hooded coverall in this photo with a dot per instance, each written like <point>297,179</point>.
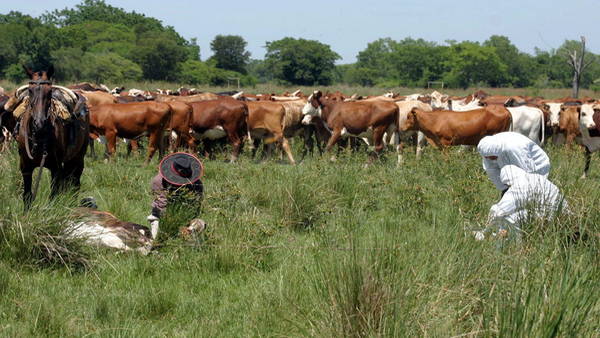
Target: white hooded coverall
<point>528,196</point>
<point>512,149</point>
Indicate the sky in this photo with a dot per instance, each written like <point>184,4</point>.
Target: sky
<point>348,26</point>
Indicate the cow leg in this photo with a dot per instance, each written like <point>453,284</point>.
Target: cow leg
<point>236,143</point>
<point>378,141</point>
<point>92,152</point>
<point>332,141</point>
<point>111,143</point>
<point>397,142</point>
<point>421,142</point>
<point>588,159</point>
<point>288,151</point>
<point>256,144</point>
<point>154,143</point>
<point>208,148</point>
<point>308,145</point>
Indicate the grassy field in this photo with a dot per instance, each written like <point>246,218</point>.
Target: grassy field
<point>317,249</point>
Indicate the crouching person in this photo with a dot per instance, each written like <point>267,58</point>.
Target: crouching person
<point>528,197</point>
<point>177,191</point>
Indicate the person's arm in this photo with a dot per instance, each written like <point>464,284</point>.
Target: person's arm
<point>504,208</point>
<point>493,172</point>
<point>159,203</point>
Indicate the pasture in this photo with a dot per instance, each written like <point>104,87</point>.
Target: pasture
<point>317,249</point>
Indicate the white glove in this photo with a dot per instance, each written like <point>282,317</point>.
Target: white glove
<point>153,225</point>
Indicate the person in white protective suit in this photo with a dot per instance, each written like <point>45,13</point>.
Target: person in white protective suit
<point>511,148</point>
<point>528,197</point>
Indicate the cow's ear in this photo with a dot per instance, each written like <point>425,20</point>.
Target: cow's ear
<point>318,94</point>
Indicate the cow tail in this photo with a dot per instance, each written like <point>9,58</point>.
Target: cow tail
<point>543,130</point>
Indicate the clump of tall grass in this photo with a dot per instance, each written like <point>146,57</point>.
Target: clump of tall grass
<point>558,302</point>
<point>35,237</point>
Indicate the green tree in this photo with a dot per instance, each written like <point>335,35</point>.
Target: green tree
<point>375,59</point>
<point>260,70</point>
<point>521,68</point>
<point>194,72</point>
<point>472,64</point>
<point>300,61</point>
<point>109,67</point>
<point>230,52</point>
<point>159,56</point>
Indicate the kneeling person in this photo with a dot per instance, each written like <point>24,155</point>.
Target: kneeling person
<point>528,196</point>
<point>176,186</point>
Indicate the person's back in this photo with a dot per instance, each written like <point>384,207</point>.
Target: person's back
<point>511,148</point>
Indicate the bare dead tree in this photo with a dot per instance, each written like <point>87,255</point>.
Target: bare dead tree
<point>576,61</point>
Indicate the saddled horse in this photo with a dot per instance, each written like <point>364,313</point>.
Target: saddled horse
<point>53,132</point>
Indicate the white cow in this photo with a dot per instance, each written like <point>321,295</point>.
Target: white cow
<point>528,121</point>
<point>404,108</point>
<point>463,105</point>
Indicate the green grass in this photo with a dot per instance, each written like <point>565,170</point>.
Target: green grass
<point>318,249</point>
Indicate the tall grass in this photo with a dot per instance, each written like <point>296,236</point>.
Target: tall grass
<point>317,249</point>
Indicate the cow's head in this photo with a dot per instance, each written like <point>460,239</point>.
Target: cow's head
<point>411,121</point>
<point>312,108</point>
<point>554,109</point>
<point>586,116</point>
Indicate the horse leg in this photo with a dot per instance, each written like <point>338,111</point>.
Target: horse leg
<point>57,184</point>
<point>27,178</point>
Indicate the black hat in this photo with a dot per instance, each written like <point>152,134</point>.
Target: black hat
<point>181,168</point>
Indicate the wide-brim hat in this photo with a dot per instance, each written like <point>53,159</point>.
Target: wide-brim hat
<point>181,168</point>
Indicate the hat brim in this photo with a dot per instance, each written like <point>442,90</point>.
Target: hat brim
<point>165,168</point>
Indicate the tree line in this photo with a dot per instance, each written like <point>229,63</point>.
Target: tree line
<point>97,42</point>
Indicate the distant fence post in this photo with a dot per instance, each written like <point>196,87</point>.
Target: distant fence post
<point>229,79</point>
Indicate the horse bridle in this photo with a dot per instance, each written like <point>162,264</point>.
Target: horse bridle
<point>40,82</point>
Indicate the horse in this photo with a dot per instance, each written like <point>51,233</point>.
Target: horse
<point>52,133</point>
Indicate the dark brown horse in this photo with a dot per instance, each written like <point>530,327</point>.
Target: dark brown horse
<point>47,139</point>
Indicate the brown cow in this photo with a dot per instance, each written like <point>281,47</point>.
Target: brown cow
<point>446,127</point>
<point>266,121</point>
<point>568,121</point>
<point>131,120</point>
<point>88,87</point>
<point>365,119</point>
<point>187,99</point>
<point>98,98</point>
<point>179,125</point>
<point>215,119</point>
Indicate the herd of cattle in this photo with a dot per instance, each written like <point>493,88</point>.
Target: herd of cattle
<point>191,118</point>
